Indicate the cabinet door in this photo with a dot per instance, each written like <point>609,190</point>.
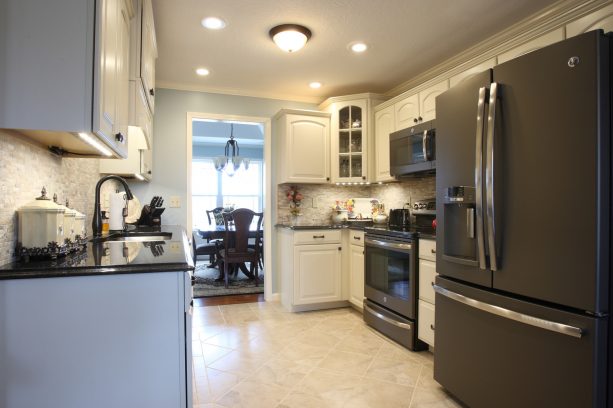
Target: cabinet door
<point>406,112</point>
<point>123,73</point>
<point>308,149</point>
<point>425,322</point>
<point>317,274</point>
<point>356,275</point>
<point>105,119</point>
<point>384,125</point>
<point>427,100</point>
<point>427,274</point>
<point>539,42</point>
<point>148,53</point>
<point>349,146</point>
<point>602,18</point>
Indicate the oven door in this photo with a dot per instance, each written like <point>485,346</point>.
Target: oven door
<point>390,274</point>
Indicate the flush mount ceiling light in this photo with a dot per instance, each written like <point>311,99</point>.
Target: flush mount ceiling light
<point>315,85</point>
<point>358,47</point>
<point>202,71</point>
<point>213,23</point>
<point>290,37</point>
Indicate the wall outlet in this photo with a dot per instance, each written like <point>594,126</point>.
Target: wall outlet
<point>175,202</point>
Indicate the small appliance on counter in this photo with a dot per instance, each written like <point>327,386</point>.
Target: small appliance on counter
<point>400,218</point>
<point>152,212</point>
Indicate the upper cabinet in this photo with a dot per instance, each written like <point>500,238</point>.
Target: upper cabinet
<point>64,76</point>
<point>145,54</point>
<point>418,107</point>
<point>384,125</point>
<point>302,143</point>
<point>352,134</point>
<point>602,19</point>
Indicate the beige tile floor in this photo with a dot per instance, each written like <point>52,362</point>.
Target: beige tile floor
<point>257,355</point>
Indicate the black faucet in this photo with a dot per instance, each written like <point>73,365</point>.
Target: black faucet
<point>97,220</point>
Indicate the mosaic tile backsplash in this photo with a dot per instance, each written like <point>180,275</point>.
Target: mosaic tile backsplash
<point>316,206</point>
<point>25,168</point>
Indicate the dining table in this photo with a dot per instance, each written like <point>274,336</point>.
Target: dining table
<point>211,232</point>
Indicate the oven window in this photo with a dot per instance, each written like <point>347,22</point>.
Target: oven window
<point>388,272</point>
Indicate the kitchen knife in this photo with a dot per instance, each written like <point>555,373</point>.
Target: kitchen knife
<point>151,204</point>
<point>161,202</point>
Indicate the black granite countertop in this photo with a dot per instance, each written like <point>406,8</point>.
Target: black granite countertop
<point>425,233</point>
<point>112,257</point>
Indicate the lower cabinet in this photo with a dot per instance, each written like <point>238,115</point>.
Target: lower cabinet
<point>425,306</point>
<point>356,268</point>
<point>311,269</point>
<point>96,341</point>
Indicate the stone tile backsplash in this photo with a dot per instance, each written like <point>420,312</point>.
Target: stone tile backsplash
<point>316,206</point>
<point>25,168</point>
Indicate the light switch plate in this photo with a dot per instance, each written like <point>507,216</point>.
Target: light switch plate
<point>175,202</point>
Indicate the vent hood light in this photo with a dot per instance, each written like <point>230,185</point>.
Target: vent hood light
<point>96,144</point>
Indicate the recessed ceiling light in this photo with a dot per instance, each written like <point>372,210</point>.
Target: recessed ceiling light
<point>202,71</point>
<point>315,85</point>
<point>213,23</point>
<point>358,47</point>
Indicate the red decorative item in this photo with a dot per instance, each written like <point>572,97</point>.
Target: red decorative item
<point>434,223</point>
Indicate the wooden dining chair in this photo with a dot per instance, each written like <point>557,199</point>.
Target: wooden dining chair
<point>217,217</point>
<point>236,242</point>
<point>204,248</point>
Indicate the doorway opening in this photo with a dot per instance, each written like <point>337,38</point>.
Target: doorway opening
<point>217,181</point>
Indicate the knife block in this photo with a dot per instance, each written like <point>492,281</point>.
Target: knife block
<point>150,216</point>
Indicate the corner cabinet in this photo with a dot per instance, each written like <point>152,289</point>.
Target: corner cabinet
<point>66,65</point>
<point>302,154</point>
<point>311,269</point>
<point>352,129</point>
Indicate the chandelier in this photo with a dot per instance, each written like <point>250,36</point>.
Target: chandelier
<point>231,161</point>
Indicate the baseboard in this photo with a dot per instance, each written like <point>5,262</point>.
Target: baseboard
<point>275,297</point>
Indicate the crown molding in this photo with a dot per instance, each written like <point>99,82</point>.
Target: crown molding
<point>552,17</point>
<point>365,95</point>
<point>235,92</point>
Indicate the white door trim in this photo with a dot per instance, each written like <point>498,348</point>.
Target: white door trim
<point>268,272</point>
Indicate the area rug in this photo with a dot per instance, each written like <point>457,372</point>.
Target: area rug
<point>206,284</point>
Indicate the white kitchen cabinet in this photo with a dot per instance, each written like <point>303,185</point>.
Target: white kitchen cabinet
<point>311,269</point>
<point>144,53</point>
<point>539,42</point>
<point>384,125</point>
<point>426,303</point>
<point>64,73</point>
<point>602,18</point>
<point>139,159</point>
<point>427,100</point>
<point>303,151</point>
<point>356,268</point>
<point>406,112</point>
<point>351,140</point>
<point>96,341</point>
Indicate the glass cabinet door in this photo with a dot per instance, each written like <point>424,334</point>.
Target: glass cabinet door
<point>350,142</point>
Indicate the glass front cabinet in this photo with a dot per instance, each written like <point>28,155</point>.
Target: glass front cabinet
<point>350,144</point>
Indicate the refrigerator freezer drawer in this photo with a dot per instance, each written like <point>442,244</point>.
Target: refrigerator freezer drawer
<point>494,350</point>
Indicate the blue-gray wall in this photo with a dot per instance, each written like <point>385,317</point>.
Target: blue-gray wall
<point>170,141</point>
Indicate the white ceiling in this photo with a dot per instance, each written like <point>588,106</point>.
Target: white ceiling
<point>406,37</point>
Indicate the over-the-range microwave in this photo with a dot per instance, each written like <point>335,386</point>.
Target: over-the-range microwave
<point>413,150</point>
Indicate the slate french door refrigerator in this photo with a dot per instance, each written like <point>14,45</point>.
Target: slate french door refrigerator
<point>523,296</point>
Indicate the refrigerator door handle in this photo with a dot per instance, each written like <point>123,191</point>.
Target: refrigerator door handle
<point>489,176</point>
<point>479,177</point>
<point>510,314</point>
<point>470,223</point>
<point>424,145</point>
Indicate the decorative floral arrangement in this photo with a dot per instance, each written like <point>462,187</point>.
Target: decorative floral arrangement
<point>377,208</point>
<point>295,199</point>
<point>343,205</point>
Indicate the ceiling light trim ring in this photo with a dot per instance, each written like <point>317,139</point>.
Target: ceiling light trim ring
<point>287,28</point>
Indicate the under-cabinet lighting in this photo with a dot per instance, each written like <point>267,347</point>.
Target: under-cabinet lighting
<point>138,176</point>
<point>94,143</point>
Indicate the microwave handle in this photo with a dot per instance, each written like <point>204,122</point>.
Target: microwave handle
<point>424,145</point>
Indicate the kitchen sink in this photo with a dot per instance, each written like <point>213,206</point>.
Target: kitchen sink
<point>134,236</point>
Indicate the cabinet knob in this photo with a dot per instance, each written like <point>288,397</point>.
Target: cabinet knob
<point>119,137</point>
<point>415,120</point>
<point>149,172</point>
<point>433,251</point>
<point>420,118</point>
<point>327,178</point>
<point>432,327</point>
<point>363,177</point>
<point>339,248</point>
<point>152,92</point>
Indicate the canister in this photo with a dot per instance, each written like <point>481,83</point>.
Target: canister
<point>40,222</point>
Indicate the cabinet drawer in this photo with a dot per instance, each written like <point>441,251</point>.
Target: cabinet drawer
<point>317,237</point>
<point>427,249</point>
<point>427,273</point>
<point>356,237</point>
<point>425,322</point>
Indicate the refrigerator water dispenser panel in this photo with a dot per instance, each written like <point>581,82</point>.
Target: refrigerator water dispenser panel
<point>460,211</point>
